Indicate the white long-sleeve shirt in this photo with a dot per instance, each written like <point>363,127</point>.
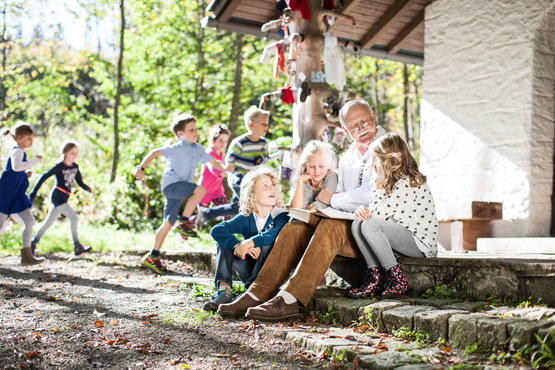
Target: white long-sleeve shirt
<point>351,193</point>
<point>412,208</point>
<point>17,161</point>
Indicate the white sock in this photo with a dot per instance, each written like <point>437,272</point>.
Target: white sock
<point>253,296</point>
<point>225,286</point>
<point>287,297</point>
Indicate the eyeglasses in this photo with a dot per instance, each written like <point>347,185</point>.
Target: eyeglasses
<point>359,127</point>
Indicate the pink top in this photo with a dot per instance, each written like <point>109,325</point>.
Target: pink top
<point>210,178</point>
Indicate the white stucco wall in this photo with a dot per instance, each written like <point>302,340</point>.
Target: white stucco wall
<point>477,110</point>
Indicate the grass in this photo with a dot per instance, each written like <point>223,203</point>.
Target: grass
<point>104,238</point>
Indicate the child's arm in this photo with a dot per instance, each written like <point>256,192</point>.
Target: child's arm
<point>330,183</point>
<point>139,171</point>
<point>79,180</point>
<point>223,233</point>
<point>297,200</point>
<point>42,179</point>
<point>17,160</point>
<point>220,166</point>
<point>269,236</point>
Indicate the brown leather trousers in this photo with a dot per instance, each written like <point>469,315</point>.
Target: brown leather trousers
<point>310,252</point>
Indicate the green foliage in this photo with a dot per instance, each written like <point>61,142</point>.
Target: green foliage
<point>474,348</point>
<point>405,333</point>
<point>544,356</point>
<point>189,316</point>
<point>328,314</point>
<point>440,292</point>
<point>204,291</point>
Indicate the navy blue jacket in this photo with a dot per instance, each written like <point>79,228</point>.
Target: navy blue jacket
<point>224,232</point>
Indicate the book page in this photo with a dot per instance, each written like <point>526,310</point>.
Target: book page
<point>334,213</point>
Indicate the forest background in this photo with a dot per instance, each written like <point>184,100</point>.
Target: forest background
<point>168,64</point>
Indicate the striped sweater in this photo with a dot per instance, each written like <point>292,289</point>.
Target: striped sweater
<point>245,154</point>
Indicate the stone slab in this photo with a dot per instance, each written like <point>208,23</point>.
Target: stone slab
<point>522,333</point>
<point>434,323</point>
<point>531,313</point>
<point>347,309</point>
<point>493,332</point>
<point>399,317</point>
<point>465,306</point>
<point>437,303</point>
<point>384,361</point>
<point>373,312</point>
<point>462,329</point>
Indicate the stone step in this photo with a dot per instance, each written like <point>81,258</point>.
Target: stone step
<point>516,245</point>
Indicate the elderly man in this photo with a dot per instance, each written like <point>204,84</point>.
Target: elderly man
<point>308,250</point>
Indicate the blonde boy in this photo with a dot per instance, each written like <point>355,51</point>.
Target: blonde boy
<point>177,182</point>
<point>245,153</point>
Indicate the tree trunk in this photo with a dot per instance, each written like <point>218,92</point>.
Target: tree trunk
<point>199,87</point>
<point>118,94</point>
<point>3,74</point>
<point>406,104</point>
<point>236,102</point>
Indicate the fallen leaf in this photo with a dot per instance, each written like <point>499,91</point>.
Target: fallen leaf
<point>220,355</point>
<point>355,362</point>
<point>32,353</point>
<point>455,360</point>
<point>98,323</point>
<point>445,349</point>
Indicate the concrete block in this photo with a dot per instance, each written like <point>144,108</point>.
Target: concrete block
<point>399,317</point>
<point>462,329</point>
<point>347,309</point>
<point>522,333</point>
<point>373,312</point>
<point>493,332</point>
<point>434,323</point>
<point>384,361</point>
<point>516,245</point>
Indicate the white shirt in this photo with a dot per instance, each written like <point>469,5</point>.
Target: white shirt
<point>412,208</point>
<point>350,192</point>
<point>17,161</point>
<point>260,222</point>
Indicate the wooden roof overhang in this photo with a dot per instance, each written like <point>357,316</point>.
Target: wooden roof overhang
<point>387,29</point>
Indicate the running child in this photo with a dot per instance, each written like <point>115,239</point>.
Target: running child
<point>13,185</point>
<point>259,223</point>
<point>400,221</point>
<point>66,172</point>
<point>315,171</point>
<point>177,182</point>
<point>245,153</point>
<point>210,177</point>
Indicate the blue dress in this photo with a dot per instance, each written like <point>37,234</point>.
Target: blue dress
<point>13,186</point>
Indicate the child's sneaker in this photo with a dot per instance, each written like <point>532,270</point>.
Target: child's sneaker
<point>186,228</point>
<point>80,249</point>
<point>221,297</point>
<point>154,263</point>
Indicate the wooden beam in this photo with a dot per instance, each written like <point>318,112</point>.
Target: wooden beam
<point>349,6</point>
<point>229,9</point>
<point>396,10</point>
<point>395,44</point>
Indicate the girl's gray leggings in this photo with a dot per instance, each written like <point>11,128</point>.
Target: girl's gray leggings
<point>380,241</point>
<point>28,223</point>
<point>53,215</point>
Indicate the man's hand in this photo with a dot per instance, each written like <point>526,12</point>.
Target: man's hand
<point>324,196</point>
<point>362,213</point>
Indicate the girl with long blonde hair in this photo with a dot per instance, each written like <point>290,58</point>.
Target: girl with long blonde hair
<point>400,219</point>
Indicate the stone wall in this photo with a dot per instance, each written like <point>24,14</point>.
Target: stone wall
<point>487,108</point>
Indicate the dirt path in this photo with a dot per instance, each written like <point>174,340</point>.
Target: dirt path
<point>107,312</point>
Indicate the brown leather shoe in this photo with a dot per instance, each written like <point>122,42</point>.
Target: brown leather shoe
<point>239,306</point>
<point>274,310</point>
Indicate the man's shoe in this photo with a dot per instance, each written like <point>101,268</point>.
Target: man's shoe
<point>154,263</point>
<point>80,249</point>
<point>274,310</point>
<point>186,228</point>
<point>27,258</point>
<point>223,296</point>
<point>239,306</point>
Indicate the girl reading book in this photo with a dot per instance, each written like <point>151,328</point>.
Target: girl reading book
<point>400,221</point>
<point>315,171</point>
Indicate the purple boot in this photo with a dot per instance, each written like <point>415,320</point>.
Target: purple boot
<point>397,284</point>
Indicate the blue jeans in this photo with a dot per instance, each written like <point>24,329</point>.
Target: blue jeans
<point>246,269</point>
<point>230,209</point>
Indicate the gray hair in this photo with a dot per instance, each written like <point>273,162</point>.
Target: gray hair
<point>349,105</point>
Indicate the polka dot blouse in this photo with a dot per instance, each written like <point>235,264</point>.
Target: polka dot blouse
<point>411,207</point>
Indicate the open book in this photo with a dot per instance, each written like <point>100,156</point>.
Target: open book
<point>313,216</point>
